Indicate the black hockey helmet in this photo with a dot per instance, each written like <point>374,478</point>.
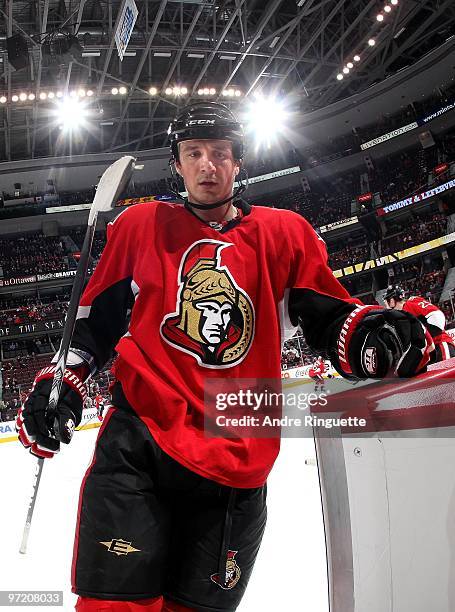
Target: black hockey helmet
<point>394,291</point>
<point>206,121</point>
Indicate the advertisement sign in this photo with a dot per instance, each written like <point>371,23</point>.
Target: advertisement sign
<point>69,208</point>
<point>21,280</point>
<point>19,201</point>
<point>415,199</point>
<point>25,280</point>
<point>272,175</point>
<point>303,372</point>
<point>262,177</point>
<point>437,113</point>
<point>389,135</point>
<point>7,432</point>
<point>365,197</point>
<point>52,275</point>
<point>441,168</point>
<point>125,26</point>
<point>150,198</point>
<point>337,224</point>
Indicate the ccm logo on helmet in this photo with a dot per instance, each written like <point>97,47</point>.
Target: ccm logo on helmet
<point>201,121</point>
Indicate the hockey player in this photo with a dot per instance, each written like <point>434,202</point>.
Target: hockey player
<point>170,519</point>
<point>430,315</point>
<point>316,372</point>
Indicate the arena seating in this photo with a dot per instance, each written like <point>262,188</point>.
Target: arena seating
<point>32,313</point>
<point>31,254</point>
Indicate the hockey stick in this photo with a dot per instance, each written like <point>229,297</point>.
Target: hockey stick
<point>112,183</point>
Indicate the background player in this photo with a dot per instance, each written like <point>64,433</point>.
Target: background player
<point>316,372</point>
<point>170,519</point>
<point>430,315</point>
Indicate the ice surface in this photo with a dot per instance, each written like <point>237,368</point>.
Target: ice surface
<point>290,572</point>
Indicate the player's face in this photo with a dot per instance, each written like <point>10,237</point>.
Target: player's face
<point>394,304</point>
<point>208,169</point>
<point>390,304</point>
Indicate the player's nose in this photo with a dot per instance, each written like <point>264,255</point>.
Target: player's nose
<point>207,164</point>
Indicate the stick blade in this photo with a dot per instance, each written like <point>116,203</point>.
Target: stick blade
<point>112,183</point>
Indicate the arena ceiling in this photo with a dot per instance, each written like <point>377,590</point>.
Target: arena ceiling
<point>291,48</point>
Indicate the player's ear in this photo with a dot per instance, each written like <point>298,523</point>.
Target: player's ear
<point>178,167</point>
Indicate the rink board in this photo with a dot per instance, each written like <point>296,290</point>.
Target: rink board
<point>389,506</point>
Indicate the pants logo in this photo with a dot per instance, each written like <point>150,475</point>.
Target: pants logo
<point>119,547</point>
<point>232,575</point>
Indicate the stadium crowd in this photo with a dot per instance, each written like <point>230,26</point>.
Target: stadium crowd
<point>33,313</point>
<point>424,228</point>
<point>30,254</point>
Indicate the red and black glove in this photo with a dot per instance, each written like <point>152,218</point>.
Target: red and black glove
<point>42,431</point>
<point>378,343</point>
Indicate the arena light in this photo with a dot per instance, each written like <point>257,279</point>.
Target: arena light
<point>89,92</point>
<point>372,42</point>
<point>394,2</point>
<point>43,95</point>
<point>346,70</point>
<point>387,8</point>
<point>237,93</point>
<point>122,90</point>
<point>350,65</point>
<point>81,93</point>
<point>71,114</point>
<point>31,96</point>
<point>340,76</point>
<point>22,96</point>
<point>114,91</point>
<point>357,58</point>
<point>51,95</point>
<point>59,94</point>
<point>14,98</point>
<point>73,94</point>
<point>168,91</point>
<point>3,100</point>
<point>153,91</point>
<point>380,17</point>
<point>265,119</point>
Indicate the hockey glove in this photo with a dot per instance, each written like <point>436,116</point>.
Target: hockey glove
<point>42,431</point>
<point>377,343</point>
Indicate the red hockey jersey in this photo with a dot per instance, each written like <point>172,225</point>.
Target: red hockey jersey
<point>431,316</point>
<point>182,302</point>
<point>319,366</point>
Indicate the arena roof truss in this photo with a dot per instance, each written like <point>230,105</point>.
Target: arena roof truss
<point>292,48</point>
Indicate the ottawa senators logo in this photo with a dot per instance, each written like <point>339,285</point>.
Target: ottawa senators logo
<point>233,573</point>
<point>214,318</point>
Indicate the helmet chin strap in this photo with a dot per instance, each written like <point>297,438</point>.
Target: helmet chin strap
<point>240,189</point>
